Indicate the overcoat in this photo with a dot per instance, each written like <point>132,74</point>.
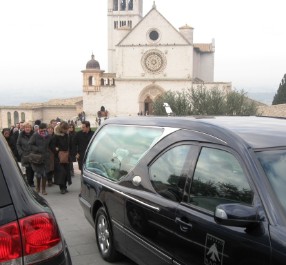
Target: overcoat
<point>60,142</point>
<point>40,145</point>
<point>80,143</point>
<point>23,147</point>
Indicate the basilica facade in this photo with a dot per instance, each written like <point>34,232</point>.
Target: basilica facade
<point>147,56</point>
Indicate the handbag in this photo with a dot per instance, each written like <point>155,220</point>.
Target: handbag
<point>64,157</point>
<point>36,158</point>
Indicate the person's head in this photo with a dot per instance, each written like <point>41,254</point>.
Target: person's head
<point>6,132</point>
<point>53,123</point>
<point>42,129</point>
<point>50,130</point>
<point>85,126</point>
<point>37,122</point>
<point>71,127</point>
<point>36,128</point>
<point>64,127</point>
<point>27,127</point>
<point>17,125</point>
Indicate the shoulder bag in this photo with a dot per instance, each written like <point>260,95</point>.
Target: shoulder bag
<point>64,157</point>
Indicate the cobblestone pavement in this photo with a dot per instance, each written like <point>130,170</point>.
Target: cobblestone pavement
<point>79,234</point>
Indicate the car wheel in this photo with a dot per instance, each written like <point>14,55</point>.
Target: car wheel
<point>104,236</point>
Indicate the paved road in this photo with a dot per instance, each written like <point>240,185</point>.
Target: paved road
<point>79,234</point>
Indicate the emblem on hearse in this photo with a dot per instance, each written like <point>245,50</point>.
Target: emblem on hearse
<point>213,250</point>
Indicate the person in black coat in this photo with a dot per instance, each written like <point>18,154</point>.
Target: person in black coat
<point>14,138</point>
<point>59,143</point>
<point>40,142</point>
<point>6,133</point>
<point>81,141</point>
<point>72,154</point>
<point>24,150</point>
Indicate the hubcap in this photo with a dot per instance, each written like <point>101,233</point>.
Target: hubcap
<point>103,234</point>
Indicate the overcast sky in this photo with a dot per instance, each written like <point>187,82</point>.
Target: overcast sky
<point>44,44</point>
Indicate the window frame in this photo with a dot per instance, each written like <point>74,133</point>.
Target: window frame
<point>241,162</point>
<point>115,158</point>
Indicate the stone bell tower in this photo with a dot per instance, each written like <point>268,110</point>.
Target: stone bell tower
<point>123,15</point>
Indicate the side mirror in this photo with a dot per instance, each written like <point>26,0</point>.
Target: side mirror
<point>235,214</point>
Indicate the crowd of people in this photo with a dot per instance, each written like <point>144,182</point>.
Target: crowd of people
<point>46,152</point>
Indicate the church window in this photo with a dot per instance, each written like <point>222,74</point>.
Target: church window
<point>115,5</point>
<point>16,117</point>
<point>130,5</point>
<point>130,23</point>
<point>123,5</point>
<point>90,81</point>
<point>154,35</point>
<point>23,118</point>
<point>116,24</point>
<point>9,119</point>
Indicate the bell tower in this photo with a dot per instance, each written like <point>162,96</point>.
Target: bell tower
<point>123,15</point>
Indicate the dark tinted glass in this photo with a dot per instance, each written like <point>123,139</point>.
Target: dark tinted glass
<point>219,179</point>
<point>274,165</point>
<point>154,35</point>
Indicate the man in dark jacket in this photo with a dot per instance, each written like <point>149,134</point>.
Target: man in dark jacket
<point>81,141</point>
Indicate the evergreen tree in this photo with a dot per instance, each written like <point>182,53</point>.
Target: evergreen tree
<point>280,96</point>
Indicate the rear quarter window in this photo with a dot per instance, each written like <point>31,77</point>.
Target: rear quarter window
<point>116,149</point>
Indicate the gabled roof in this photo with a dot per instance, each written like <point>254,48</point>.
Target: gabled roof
<point>160,19</point>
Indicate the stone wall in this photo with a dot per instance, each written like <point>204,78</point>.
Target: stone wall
<point>65,109</point>
<point>273,110</point>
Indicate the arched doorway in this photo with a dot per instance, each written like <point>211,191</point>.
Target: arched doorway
<point>148,106</point>
<point>147,97</point>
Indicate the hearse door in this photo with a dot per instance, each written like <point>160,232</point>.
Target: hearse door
<point>151,206</point>
<point>219,178</point>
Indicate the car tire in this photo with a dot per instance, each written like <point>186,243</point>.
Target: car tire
<point>104,237</point>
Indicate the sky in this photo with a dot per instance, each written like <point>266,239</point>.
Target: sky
<point>45,44</point>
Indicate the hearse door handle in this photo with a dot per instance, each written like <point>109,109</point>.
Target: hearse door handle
<point>184,226</point>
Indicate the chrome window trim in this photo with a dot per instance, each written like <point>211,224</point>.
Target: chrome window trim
<point>123,194</point>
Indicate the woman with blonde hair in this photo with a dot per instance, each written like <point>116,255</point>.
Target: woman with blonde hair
<point>24,149</point>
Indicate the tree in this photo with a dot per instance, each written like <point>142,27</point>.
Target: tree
<point>280,96</point>
<point>178,101</point>
<point>203,101</point>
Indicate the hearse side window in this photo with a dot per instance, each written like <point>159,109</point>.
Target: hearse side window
<point>169,172</point>
<point>218,179</point>
<point>116,149</point>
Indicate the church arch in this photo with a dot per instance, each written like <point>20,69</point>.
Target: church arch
<point>16,117</point>
<point>90,81</point>
<point>115,5</point>
<point>123,5</point>
<point>130,5</point>
<point>23,116</point>
<point>102,82</point>
<point>9,119</point>
<point>147,97</point>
